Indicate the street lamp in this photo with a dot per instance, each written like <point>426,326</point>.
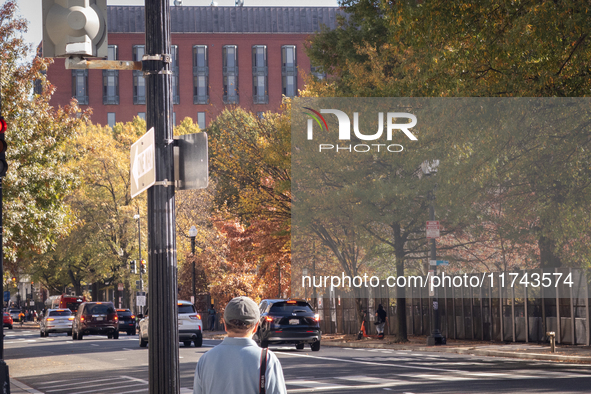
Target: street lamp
<point>192,235</point>
<point>428,169</point>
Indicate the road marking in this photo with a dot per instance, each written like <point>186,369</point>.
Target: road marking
<point>370,379</point>
<point>94,390</point>
<point>314,384</point>
<point>93,344</point>
<point>61,386</point>
<point>119,359</point>
<point>23,386</point>
<point>134,379</point>
<point>372,363</point>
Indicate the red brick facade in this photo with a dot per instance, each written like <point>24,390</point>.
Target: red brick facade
<point>125,111</point>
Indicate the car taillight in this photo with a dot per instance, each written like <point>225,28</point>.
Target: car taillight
<point>132,317</point>
<point>195,317</point>
<point>268,318</point>
<point>50,319</point>
<point>316,317</point>
<point>71,318</point>
<point>116,318</point>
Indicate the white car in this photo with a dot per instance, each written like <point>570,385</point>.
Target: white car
<point>190,325</point>
<point>56,320</point>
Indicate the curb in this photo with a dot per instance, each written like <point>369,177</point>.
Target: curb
<point>466,350</point>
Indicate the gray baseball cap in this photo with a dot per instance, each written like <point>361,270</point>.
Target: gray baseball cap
<point>243,309</point>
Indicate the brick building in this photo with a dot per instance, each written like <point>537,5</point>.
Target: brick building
<point>246,56</point>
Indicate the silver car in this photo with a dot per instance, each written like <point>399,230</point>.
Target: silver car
<point>56,320</point>
<point>189,321</point>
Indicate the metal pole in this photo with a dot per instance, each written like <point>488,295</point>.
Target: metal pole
<point>435,338</point>
<point>139,248</point>
<point>279,282</point>
<point>193,254</point>
<point>4,377</point>
<point>163,353</point>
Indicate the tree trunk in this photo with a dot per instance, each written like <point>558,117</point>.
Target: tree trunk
<point>548,258</point>
<point>400,305</point>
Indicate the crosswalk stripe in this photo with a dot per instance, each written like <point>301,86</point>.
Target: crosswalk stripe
<point>313,384</point>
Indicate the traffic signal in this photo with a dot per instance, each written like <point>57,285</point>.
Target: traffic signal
<point>133,267</point>
<point>74,28</point>
<point>143,266</point>
<point>3,164</point>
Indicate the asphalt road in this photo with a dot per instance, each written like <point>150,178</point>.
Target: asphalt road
<point>99,365</point>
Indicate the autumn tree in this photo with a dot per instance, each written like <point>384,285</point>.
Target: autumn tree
<point>38,136</point>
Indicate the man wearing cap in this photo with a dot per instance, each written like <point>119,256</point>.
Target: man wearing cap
<point>234,366</point>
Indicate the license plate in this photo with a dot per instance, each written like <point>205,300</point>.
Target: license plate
<point>294,321</point>
<point>100,318</point>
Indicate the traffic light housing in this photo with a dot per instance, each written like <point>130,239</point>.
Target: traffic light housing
<point>143,266</point>
<point>74,28</point>
<point>133,267</point>
<point>3,146</point>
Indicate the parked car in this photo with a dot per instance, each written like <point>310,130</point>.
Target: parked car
<point>190,325</point>
<point>96,318</point>
<point>14,313</point>
<point>8,321</point>
<point>56,320</point>
<point>126,321</point>
<point>288,322</point>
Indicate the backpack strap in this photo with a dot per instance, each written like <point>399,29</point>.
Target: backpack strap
<point>263,371</point>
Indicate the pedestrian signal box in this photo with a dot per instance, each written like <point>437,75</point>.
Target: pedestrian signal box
<point>75,28</point>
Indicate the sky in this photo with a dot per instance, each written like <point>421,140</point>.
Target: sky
<point>31,10</point>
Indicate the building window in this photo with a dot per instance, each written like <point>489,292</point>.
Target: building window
<point>111,80</point>
<point>289,70</point>
<point>230,71</point>
<point>201,120</point>
<point>142,115</point>
<point>200,75</point>
<point>260,115</point>
<point>176,98</point>
<point>80,86</point>
<point>139,82</point>
<point>317,72</point>
<point>111,119</point>
<point>260,73</point>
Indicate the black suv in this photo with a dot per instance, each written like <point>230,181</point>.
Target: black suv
<point>96,318</point>
<point>288,321</point>
<point>126,321</point>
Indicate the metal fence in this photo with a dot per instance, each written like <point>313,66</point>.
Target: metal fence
<point>512,314</point>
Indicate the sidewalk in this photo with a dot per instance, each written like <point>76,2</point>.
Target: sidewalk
<point>530,351</point>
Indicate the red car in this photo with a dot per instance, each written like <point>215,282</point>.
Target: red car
<point>8,321</point>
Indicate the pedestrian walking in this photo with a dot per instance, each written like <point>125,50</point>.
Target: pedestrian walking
<point>238,365</point>
<point>212,315</point>
<point>380,320</point>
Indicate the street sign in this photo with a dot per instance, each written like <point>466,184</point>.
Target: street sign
<point>120,287</point>
<point>142,161</point>
<point>432,229</point>
<point>6,296</point>
<point>191,168</point>
<point>32,303</point>
<point>438,262</point>
<point>141,298</point>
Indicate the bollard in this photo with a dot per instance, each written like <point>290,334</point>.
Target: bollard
<point>552,336</point>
